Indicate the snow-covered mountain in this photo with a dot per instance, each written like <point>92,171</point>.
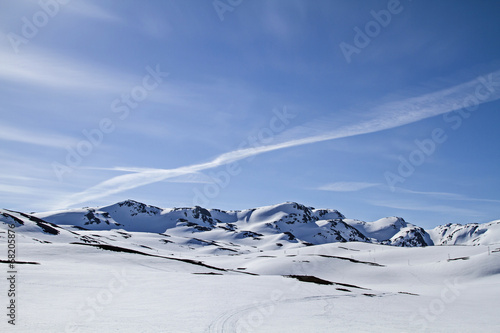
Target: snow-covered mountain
<point>468,234</point>
<point>266,227</point>
<point>289,224</point>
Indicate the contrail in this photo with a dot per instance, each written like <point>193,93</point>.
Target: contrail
<point>386,116</point>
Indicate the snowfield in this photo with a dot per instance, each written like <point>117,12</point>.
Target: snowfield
<point>131,267</point>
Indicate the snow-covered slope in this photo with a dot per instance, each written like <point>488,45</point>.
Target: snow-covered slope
<point>40,230</point>
<point>468,234</point>
<point>392,231</point>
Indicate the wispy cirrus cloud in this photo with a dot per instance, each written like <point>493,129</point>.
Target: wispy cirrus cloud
<point>445,195</point>
<point>382,117</point>
<point>16,134</point>
<point>91,10</point>
<point>48,69</point>
<point>347,186</point>
<point>418,206</point>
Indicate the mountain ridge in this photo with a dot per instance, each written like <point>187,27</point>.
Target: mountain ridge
<point>285,224</point>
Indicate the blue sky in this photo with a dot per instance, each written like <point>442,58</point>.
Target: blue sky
<point>375,108</point>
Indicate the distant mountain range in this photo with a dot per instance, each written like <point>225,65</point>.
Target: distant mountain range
<point>286,225</point>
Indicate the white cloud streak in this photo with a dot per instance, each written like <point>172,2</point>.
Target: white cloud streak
<point>407,205</point>
<point>49,70</point>
<point>383,117</point>
<point>446,196</point>
<point>91,10</point>
<point>194,177</point>
<point>10,133</point>
<point>347,186</point>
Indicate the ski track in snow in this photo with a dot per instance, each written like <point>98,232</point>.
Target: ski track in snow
<point>228,321</point>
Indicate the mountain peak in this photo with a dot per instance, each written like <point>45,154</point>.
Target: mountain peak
<point>130,203</point>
